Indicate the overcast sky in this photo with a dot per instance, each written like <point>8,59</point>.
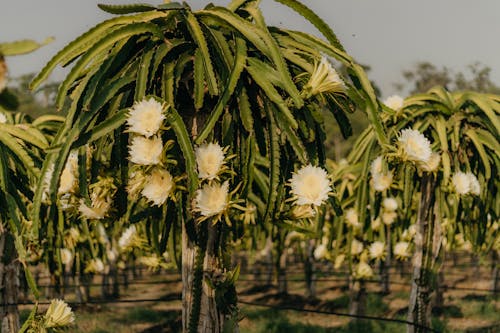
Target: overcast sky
<point>388,35</point>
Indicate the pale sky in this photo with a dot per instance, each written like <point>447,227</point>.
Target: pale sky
<point>388,35</point>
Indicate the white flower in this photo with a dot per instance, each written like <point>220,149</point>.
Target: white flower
<point>310,185</point>
<point>475,188</point>
<point>101,234</point>
<point>432,164</point>
<point>128,238</point>
<point>210,158</point>
<point>465,183</point>
<point>324,79</point>
<point>351,217</point>
<point>58,314</point>
<point>145,117</point>
<point>356,247</point>
<point>158,186</point>
<point>320,252</point>
<point>401,250</point>
<point>66,256</point>
<point>390,204</point>
<point>146,151</point>
<point>382,181</point>
<point>395,102</point>
<point>212,199</point>
<point>415,146</point>
<point>363,271</point>
<point>3,118</point>
<point>388,218</point>
<point>377,250</point>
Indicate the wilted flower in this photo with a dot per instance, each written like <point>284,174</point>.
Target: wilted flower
<point>324,79</point>
<point>97,210</point>
<point>129,238</point>
<point>66,256</point>
<point>145,117</point>
<point>390,204</point>
<point>146,151</point>
<point>356,247</point>
<point>135,183</point>
<point>320,252</point>
<point>159,184</point>
<point>95,266</point>
<point>414,146</point>
<point>3,118</point>
<point>395,102</point>
<point>101,234</point>
<point>401,250</point>
<point>310,185</point>
<point>112,254</point>
<point>363,271</point>
<point>212,199</point>
<point>210,159</point>
<point>338,261</point>
<point>303,211</point>
<point>58,314</point>
<point>377,250</point>
<point>71,237</point>
<point>432,164</point>
<point>69,175</point>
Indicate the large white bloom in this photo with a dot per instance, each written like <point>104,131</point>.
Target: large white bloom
<point>158,186</point>
<point>390,204</point>
<point>212,199</point>
<point>210,158</point>
<point>145,117</point>
<point>310,185</point>
<point>415,146</point>
<point>58,314</point>
<point>324,79</point>
<point>146,151</point>
<point>377,250</point>
<point>389,218</point>
<point>465,183</point>
<point>401,250</point>
<point>395,102</point>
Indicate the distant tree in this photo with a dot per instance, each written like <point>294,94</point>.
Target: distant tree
<point>34,103</point>
<point>424,75</point>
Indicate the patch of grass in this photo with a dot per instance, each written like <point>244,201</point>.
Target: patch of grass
<point>276,321</point>
<point>143,315</point>
<point>483,310</point>
<point>375,305</point>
